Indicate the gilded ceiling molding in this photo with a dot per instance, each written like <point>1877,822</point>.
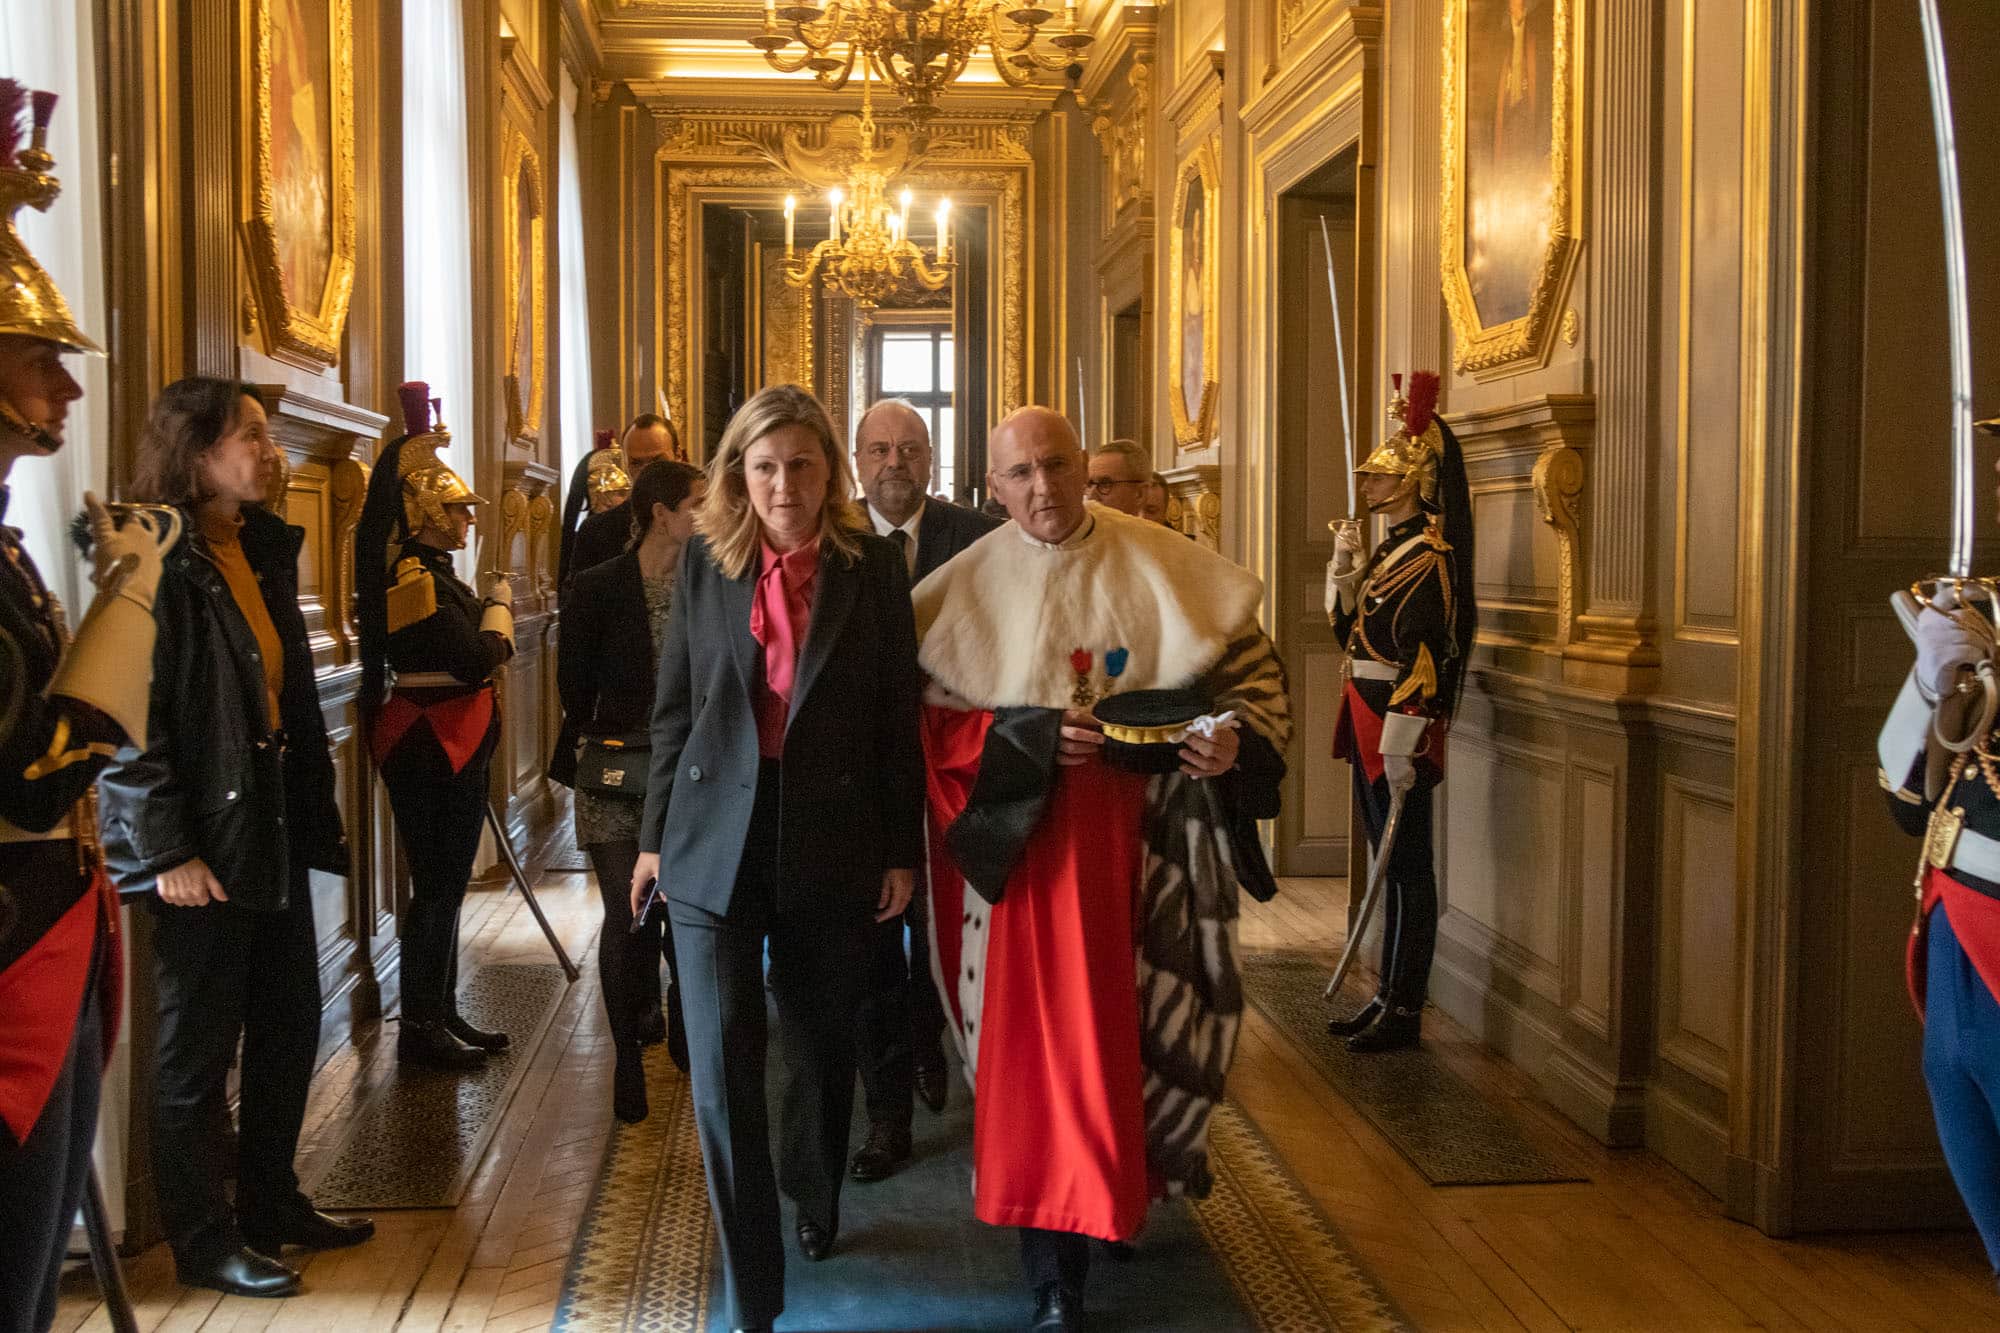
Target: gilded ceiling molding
<point>1522,343</point>
<point>734,153</point>
<point>303,327</point>
<point>1293,14</point>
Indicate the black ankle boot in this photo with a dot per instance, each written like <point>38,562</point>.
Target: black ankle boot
<point>1393,1031</point>
<point>628,1085</point>
<point>486,1041</point>
<point>432,1044</point>
<point>1347,1027</point>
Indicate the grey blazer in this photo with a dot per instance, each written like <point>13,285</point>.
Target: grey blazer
<point>852,789</point>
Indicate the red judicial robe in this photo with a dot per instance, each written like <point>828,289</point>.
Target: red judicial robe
<point>1046,1010</point>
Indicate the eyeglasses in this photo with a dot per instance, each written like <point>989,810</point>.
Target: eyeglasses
<point>1098,484</point>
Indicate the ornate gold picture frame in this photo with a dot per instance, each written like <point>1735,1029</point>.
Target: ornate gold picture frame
<point>299,211</point>
<point>1511,188</point>
<point>1193,342</point>
<point>525,224</point>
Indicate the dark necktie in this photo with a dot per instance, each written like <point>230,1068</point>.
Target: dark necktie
<point>905,547</point>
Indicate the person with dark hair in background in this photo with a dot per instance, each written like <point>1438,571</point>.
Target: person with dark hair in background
<point>431,729</point>
<point>900,1045</point>
<point>65,706</point>
<point>604,535</point>
<point>614,623</point>
<point>784,808</point>
<point>222,809</point>
<point>1155,508</point>
<point>1407,618</point>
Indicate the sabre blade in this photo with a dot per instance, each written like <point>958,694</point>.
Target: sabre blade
<point>1956,303</point>
<point>1340,364</point>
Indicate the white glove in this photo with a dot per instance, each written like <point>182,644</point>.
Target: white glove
<point>127,558</point>
<point>1400,771</point>
<point>1343,587</point>
<point>1945,647</point>
<point>109,664</point>
<point>495,586</point>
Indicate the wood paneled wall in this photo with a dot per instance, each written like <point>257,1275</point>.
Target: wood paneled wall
<point>175,122</point>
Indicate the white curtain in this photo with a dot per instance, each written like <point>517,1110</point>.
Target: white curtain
<point>50,46</point>
<point>572,292</point>
<point>437,221</point>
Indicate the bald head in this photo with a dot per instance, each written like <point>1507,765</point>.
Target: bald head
<point>1036,468</point>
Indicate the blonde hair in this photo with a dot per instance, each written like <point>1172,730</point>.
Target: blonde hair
<point>727,519</point>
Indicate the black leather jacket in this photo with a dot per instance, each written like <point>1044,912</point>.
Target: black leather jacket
<point>213,781</point>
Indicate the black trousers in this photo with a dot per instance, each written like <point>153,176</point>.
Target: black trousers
<point>628,961</point>
<point>439,814</point>
<point>901,1015</point>
<point>1054,1256</point>
<point>224,972</point>
<point>1410,898</point>
<point>42,1178</point>
<point>818,962</point>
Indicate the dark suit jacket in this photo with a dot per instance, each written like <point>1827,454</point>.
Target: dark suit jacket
<point>604,660</point>
<point>602,537</point>
<point>944,531</point>
<point>853,777</point>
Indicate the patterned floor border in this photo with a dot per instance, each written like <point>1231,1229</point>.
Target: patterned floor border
<point>643,1259</point>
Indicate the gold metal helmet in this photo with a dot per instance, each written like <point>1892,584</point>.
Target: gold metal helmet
<point>428,484</point>
<point>30,304</point>
<point>607,479</point>
<point>1413,452</point>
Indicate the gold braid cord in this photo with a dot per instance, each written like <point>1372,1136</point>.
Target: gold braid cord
<point>1401,582</point>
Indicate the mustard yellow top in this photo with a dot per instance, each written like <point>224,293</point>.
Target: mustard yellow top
<point>225,547</point>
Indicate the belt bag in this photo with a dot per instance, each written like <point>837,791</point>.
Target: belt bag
<point>614,765</point>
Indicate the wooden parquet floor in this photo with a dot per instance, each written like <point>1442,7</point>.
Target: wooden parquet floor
<point>1637,1247</point>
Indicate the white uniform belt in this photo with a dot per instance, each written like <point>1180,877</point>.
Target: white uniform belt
<point>60,833</point>
<point>430,680</point>
<point>1976,854</point>
<point>1363,668</point>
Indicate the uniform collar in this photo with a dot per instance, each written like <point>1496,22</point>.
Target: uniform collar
<point>1409,527</point>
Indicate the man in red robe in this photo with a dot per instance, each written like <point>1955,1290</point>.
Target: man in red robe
<point>1092,985</point>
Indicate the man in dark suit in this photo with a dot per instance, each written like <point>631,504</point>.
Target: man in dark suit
<point>606,535</point>
<point>900,1045</point>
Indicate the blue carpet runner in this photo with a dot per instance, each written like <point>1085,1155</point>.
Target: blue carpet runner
<point>1255,1255</point>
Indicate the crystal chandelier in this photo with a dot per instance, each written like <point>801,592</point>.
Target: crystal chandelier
<point>868,254</point>
<point>919,47</point>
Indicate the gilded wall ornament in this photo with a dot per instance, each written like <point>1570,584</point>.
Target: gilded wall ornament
<point>299,206</point>
<point>1510,197</point>
<point>1193,315</point>
<point>524,209</point>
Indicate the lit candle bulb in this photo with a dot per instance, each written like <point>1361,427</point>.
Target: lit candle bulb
<point>944,229</point>
<point>791,207</point>
<point>905,214</point>
<point>835,199</point>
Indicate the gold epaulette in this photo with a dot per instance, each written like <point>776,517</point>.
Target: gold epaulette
<point>413,596</point>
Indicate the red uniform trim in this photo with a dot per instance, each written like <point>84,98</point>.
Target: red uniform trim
<point>43,990</point>
<point>1357,738</point>
<point>459,723</point>
<point>1975,919</point>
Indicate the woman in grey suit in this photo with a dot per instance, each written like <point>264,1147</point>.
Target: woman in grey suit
<point>785,807</point>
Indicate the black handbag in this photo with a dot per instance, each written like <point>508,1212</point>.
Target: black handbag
<point>614,765</point>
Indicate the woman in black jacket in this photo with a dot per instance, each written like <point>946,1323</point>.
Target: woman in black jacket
<point>784,807</point>
<point>614,621</point>
<point>222,816</point>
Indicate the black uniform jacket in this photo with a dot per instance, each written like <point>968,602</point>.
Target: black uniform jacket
<point>601,538</point>
<point>853,769</point>
<point>39,735</point>
<point>604,661</point>
<point>449,639</point>
<point>1403,619</point>
<point>946,529</point>
<point>213,781</point>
